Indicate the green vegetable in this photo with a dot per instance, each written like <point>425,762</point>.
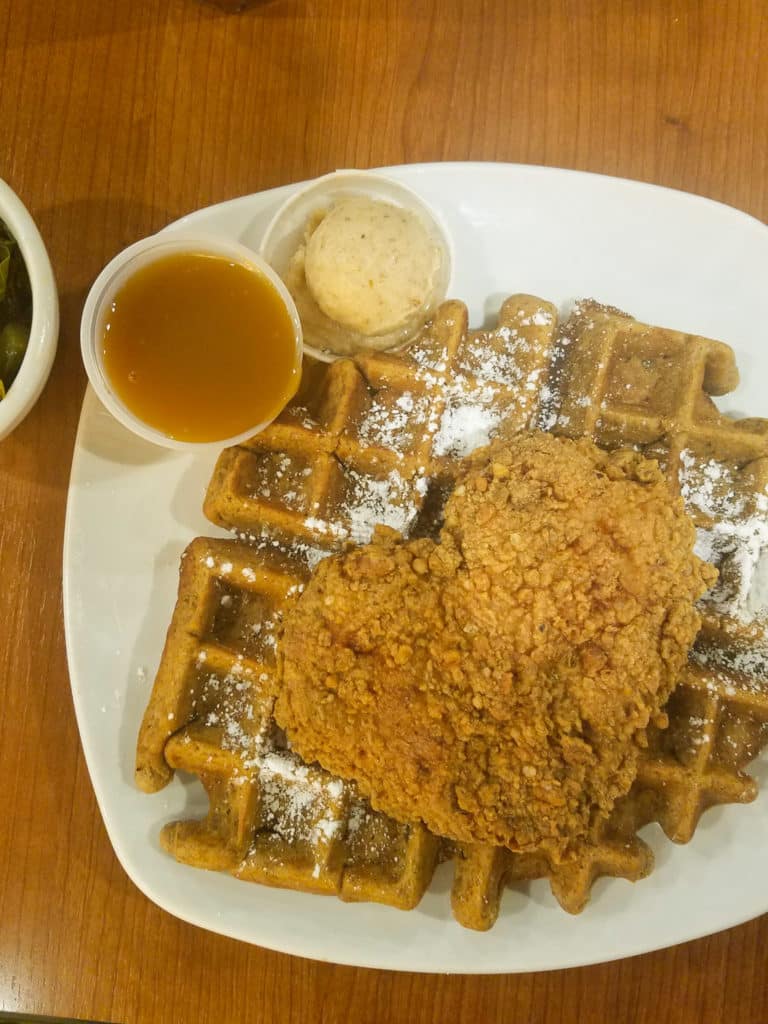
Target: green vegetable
<point>5,262</point>
<point>15,309</point>
<point>13,344</point>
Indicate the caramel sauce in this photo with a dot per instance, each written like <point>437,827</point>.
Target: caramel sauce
<point>199,347</point>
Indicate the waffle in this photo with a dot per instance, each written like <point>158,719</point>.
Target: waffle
<point>272,819</point>
<point>378,440</point>
<point>624,384</point>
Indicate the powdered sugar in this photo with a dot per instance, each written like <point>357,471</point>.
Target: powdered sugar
<point>325,526</point>
<point>746,661</point>
<point>463,428</point>
<point>388,501</point>
<point>279,478</point>
<point>391,424</point>
<point>709,487</point>
<point>295,800</point>
<point>308,555</point>
<point>733,535</point>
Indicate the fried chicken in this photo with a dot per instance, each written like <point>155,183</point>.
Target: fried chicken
<point>497,684</point>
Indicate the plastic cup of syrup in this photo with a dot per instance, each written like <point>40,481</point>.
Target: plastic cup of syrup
<point>191,341</point>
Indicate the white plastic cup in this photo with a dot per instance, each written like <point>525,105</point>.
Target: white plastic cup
<point>108,283</point>
<point>285,231</point>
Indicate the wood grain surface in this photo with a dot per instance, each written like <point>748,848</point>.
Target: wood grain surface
<point>117,116</point>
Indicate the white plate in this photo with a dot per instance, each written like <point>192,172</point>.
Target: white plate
<point>668,258</point>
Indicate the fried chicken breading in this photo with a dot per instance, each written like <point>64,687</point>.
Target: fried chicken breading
<point>497,685</point>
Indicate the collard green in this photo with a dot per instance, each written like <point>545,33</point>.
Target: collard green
<point>15,309</point>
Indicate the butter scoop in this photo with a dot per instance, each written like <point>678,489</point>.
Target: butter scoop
<point>370,265</point>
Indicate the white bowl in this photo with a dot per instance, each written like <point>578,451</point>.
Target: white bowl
<point>44,332</point>
<point>100,296</point>
<point>285,232</point>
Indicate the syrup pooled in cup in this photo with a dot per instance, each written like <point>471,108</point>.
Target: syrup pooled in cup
<point>200,347</point>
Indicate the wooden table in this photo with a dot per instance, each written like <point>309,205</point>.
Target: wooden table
<point>117,116</point>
